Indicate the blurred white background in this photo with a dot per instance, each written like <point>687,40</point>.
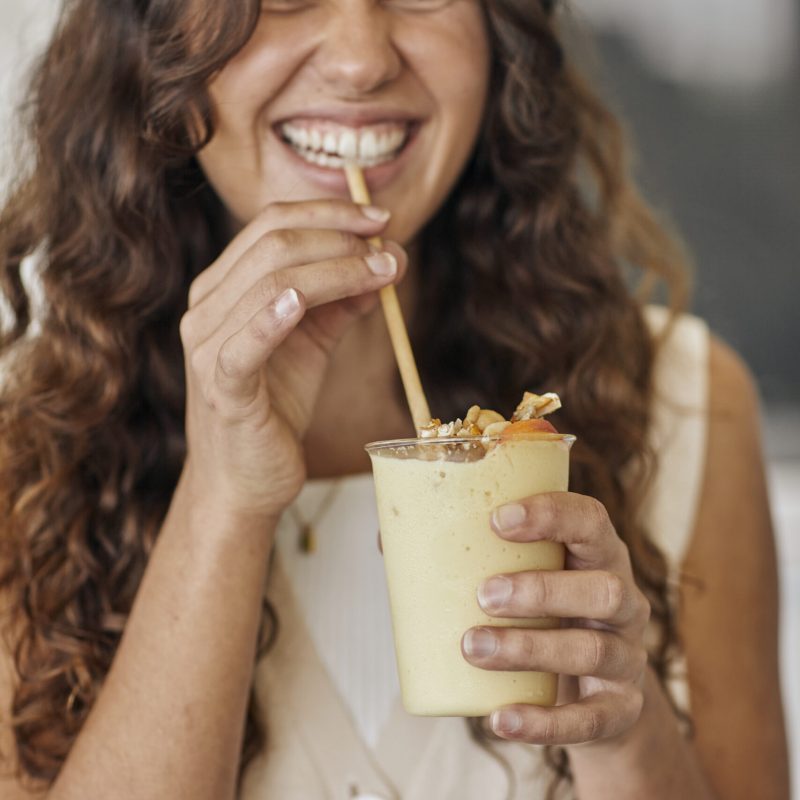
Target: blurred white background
<point>725,45</point>
<point>711,92</point>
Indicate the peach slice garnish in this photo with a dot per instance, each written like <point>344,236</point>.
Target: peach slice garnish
<point>527,426</point>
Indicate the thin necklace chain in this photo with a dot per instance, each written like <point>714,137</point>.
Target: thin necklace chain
<point>307,528</point>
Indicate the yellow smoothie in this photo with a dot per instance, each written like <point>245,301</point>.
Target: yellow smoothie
<point>435,498</point>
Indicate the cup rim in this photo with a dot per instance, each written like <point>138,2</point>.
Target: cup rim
<point>569,438</point>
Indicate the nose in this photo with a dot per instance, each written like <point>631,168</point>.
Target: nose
<point>358,56</point>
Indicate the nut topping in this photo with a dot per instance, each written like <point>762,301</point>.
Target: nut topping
<point>484,422</point>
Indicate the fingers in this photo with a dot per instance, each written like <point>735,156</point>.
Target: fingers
<point>278,249</point>
<point>585,594</point>
<point>241,357</point>
<point>579,522</point>
<point>334,215</point>
<point>346,270</point>
<point>600,716</point>
<point>568,651</point>
<point>320,283</point>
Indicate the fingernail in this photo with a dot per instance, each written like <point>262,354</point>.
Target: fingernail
<point>383,264</point>
<point>505,721</point>
<point>494,593</point>
<point>508,517</point>
<point>375,213</point>
<point>480,643</point>
<point>287,303</point>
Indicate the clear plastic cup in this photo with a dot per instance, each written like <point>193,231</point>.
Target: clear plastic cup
<point>435,498</point>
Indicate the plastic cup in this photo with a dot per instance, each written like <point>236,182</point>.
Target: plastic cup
<point>435,498</point>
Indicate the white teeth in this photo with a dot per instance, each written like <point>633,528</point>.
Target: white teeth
<point>329,143</point>
<point>348,144</point>
<point>329,148</point>
<point>390,141</point>
<point>368,145</point>
<point>323,160</point>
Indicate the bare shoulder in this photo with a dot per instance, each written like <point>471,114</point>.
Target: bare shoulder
<point>733,517</point>
<point>733,389</point>
<point>729,600</point>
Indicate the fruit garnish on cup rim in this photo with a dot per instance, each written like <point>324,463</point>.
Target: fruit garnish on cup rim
<point>481,422</point>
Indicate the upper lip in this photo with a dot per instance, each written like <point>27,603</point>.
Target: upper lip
<point>353,118</point>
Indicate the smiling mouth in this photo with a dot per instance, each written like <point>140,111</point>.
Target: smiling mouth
<point>329,144</point>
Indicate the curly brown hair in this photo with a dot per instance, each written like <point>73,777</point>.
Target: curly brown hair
<point>525,265</point>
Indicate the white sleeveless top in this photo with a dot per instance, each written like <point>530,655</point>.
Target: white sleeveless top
<point>329,689</point>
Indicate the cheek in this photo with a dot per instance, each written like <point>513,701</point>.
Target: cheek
<point>251,79</point>
<point>232,161</point>
<point>451,58</point>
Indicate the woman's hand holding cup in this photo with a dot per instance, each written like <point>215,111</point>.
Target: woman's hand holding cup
<point>603,645</point>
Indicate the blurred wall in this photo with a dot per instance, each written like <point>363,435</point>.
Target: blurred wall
<point>716,122</point>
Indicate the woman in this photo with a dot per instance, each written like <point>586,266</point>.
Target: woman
<point>186,212</point>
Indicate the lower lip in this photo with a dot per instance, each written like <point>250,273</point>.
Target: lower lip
<point>333,178</point>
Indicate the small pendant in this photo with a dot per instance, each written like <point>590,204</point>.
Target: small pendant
<point>307,540</point>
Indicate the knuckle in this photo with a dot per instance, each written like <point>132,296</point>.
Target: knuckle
<point>614,594</point>
<point>280,241</point>
<point>545,512</point>
<point>552,728</point>
<point>540,592</point>
<point>592,725</point>
<point>597,652</point>
<point>525,649</point>
<point>267,289</point>
<point>197,362</point>
<point>598,515</point>
<point>351,244</point>
<point>640,660</point>
<point>226,362</point>
<point>637,704</point>
<point>186,328</point>
<point>645,609</point>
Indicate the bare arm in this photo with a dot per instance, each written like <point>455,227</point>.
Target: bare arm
<point>263,322</point>
<point>169,720</point>
<point>729,618</point>
<point>623,740</point>
<point>729,624</point>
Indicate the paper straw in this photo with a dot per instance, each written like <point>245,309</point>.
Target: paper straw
<point>394,316</point>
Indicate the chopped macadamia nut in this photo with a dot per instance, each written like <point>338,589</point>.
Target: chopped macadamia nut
<point>472,415</point>
<point>484,422</point>
<point>487,417</point>
<point>496,428</point>
<point>431,430</point>
<point>535,406</point>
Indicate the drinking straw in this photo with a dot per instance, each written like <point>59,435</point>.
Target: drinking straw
<point>403,354</point>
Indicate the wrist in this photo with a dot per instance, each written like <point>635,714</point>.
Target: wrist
<point>213,508</point>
